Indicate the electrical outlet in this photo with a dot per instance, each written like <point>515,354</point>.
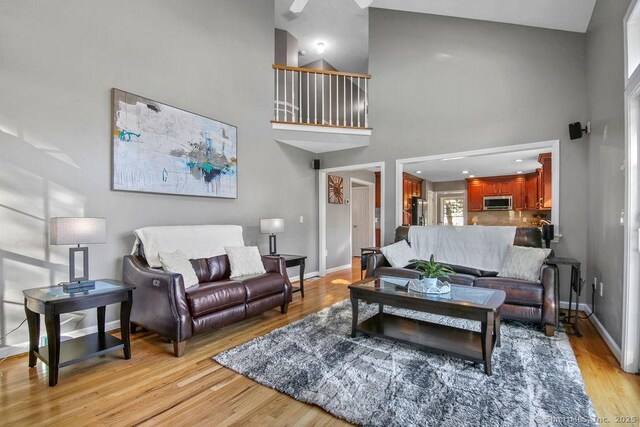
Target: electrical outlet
<point>601,289</point>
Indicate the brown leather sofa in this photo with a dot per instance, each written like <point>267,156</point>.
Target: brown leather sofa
<point>162,304</point>
<point>526,301</point>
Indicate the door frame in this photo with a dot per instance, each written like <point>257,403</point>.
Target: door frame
<point>452,193</point>
<point>553,145</point>
<point>371,187</point>
<point>631,285</point>
<point>322,207</point>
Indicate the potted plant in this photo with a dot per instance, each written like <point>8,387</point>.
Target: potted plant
<point>432,271</point>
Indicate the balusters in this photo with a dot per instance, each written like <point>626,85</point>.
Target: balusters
<point>351,103</point>
<point>284,106</point>
<point>366,104</point>
<point>277,97</point>
<point>315,98</point>
<point>330,100</point>
<point>322,77</point>
<point>358,109</point>
<point>293,95</point>
<point>308,116</point>
<point>344,100</point>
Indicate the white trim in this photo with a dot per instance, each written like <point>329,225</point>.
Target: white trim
<point>372,198</point>
<point>306,276</point>
<point>23,347</point>
<point>630,354</point>
<point>554,145</point>
<point>339,268</point>
<point>599,327</point>
<point>322,207</point>
<point>321,129</point>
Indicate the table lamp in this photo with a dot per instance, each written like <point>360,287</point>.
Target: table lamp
<point>77,231</point>
<point>271,226</point>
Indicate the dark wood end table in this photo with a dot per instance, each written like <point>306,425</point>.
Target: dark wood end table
<point>53,301</point>
<point>463,302</point>
<point>293,261</point>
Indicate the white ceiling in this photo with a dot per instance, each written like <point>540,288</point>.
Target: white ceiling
<point>568,15</point>
<point>344,27</point>
<point>480,166</point>
<point>340,24</point>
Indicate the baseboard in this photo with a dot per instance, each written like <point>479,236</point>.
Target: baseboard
<point>306,276</point>
<point>338,268</point>
<point>22,348</point>
<point>615,349</point>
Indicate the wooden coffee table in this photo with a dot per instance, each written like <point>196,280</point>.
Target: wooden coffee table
<point>464,302</point>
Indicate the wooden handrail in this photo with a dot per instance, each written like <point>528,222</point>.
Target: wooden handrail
<point>314,71</point>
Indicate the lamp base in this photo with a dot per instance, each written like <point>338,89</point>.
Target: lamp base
<point>272,245</point>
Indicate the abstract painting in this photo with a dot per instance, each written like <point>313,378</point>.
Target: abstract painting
<point>162,149</point>
<point>336,189</point>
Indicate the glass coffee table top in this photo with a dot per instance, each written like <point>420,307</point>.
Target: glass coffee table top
<point>460,294</point>
<point>57,293</point>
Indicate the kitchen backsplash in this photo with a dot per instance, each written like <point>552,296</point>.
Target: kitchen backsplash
<point>517,218</point>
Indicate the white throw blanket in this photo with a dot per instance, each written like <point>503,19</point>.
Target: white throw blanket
<point>195,241</point>
<point>484,248</point>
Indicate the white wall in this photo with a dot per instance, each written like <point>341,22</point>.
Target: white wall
<point>606,180</point>
<point>59,61</point>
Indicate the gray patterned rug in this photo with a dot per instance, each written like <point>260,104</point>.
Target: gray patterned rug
<point>371,381</point>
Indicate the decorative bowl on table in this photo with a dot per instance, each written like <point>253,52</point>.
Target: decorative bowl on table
<point>429,286</point>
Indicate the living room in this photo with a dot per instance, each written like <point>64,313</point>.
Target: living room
<point>439,80</point>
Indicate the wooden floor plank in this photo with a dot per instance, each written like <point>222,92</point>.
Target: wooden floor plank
<point>156,388</point>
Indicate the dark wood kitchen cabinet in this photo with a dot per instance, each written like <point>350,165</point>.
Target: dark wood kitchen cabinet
<point>411,187</point>
<point>531,192</point>
<point>544,182</point>
<point>519,193</point>
<point>475,194</point>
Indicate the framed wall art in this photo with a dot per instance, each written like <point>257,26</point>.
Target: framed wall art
<point>162,149</point>
<point>336,189</point>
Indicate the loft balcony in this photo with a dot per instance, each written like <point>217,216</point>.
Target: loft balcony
<point>320,110</point>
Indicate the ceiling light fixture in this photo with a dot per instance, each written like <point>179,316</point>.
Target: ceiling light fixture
<point>465,172</point>
<point>472,176</point>
<point>418,171</point>
<point>519,172</point>
<point>320,47</point>
<point>518,160</point>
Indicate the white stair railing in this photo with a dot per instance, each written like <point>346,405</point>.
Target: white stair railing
<point>328,102</point>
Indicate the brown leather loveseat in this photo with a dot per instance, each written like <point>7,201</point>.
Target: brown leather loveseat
<point>526,301</point>
<point>162,304</point>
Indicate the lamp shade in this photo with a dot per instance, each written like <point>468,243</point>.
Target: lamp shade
<point>271,225</point>
<point>75,231</point>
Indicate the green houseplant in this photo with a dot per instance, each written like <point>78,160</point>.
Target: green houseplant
<point>431,270</point>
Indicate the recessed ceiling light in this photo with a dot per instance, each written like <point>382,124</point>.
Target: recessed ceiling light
<point>519,172</point>
<point>452,158</point>
<point>518,160</point>
<point>320,47</point>
<point>472,176</point>
<point>418,171</point>
<point>465,172</point>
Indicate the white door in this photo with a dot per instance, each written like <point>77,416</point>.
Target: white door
<point>361,219</point>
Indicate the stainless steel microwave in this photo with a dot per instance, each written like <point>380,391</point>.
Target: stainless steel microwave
<point>498,203</point>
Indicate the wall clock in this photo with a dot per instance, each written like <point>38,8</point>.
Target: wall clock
<point>336,189</point>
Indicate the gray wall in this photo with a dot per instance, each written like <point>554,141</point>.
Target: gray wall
<point>458,84</point>
<point>450,186</point>
<point>338,231</point>
<point>605,72</point>
<point>59,63</point>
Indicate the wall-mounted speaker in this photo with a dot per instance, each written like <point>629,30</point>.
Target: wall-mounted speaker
<point>315,163</point>
<point>576,129</point>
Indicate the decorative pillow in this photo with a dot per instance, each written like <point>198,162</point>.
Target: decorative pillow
<point>523,263</point>
<point>399,254</point>
<point>177,262</point>
<point>244,260</point>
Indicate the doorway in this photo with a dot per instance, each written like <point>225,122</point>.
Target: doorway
<point>362,215</point>
<point>334,238</point>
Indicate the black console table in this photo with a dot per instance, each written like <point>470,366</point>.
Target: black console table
<point>293,261</point>
<point>53,301</point>
<point>575,287</point>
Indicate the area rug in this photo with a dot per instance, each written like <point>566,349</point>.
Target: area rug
<point>370,381</point>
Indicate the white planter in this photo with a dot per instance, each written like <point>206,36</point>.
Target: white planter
<point>429,282</point>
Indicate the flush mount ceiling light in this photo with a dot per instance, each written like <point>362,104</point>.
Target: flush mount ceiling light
<point>465,172</point>
<point>320,47</point>
<point>298,5</point>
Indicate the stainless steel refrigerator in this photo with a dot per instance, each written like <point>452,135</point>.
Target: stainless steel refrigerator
<point>418,211</point>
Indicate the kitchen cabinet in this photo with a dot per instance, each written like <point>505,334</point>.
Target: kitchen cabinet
<point>519,192</point>
<point>377,184</point>
<point>531,192</point>
<point>411,187</point>
<point>501,186</point>
<point>544,182</point>
<point>475,195</point>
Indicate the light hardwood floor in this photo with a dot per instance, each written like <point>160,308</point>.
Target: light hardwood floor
<point>155,388</point>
